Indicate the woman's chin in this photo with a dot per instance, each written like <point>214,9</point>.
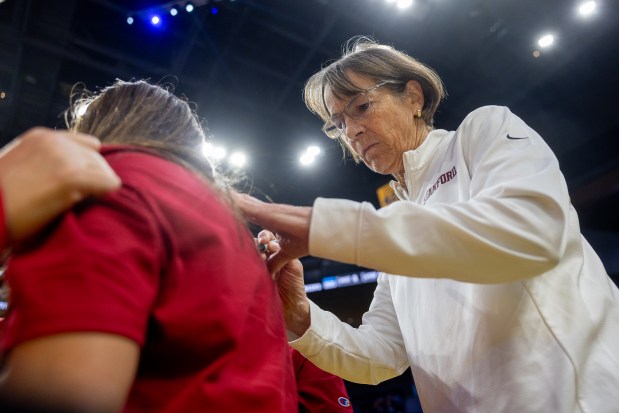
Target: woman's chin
<point>377,167</point>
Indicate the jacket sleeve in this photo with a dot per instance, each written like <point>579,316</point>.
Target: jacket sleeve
<point>514,224</point>
<point>370,354</point>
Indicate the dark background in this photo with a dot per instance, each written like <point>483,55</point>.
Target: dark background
<point>245,65</point>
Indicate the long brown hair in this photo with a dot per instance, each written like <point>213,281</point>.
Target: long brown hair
<point>150,117</point>
<point>144,115</point>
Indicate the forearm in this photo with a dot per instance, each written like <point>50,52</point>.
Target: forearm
<point>362,355</point>
<point>298,319</point>
<point>69,373</point>
<point>23,392</point>
<point>485,241</point>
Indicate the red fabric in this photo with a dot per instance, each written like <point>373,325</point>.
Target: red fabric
<point>163,263</point>
<point>3,246</point>
<point>3,228</point>
<point>319,391</point>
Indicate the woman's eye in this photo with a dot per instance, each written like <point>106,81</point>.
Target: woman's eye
<point>338,122</point>
<point>363,107</point>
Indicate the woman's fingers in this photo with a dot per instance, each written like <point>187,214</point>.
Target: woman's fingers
<point>44,172</point>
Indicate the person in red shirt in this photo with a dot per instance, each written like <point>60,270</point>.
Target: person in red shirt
<point>153,298</point>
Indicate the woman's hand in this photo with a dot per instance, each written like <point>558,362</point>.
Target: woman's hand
<point>291,223</point>
<point>45,172</point>
<point>290,285</point>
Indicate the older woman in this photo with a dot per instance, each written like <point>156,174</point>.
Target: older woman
<point>489,292</point>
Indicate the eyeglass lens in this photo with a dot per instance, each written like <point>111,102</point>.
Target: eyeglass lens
<point>355,108</point>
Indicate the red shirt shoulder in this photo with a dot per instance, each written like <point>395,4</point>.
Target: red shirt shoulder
<point>162,262</point>
<point>319,391</point>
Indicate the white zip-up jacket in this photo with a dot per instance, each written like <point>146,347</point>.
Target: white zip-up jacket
<point>500,304</point>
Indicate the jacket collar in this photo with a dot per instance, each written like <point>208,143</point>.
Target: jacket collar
<point>416,160</point>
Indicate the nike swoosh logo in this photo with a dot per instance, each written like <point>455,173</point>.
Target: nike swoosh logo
<point>516,137</point>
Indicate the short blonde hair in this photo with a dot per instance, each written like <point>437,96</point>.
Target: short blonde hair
<point>364,56</point>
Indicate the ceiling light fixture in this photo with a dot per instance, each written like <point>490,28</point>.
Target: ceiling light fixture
<point>313,150</point>
<point>546,40</point>
<point>213,152</point>
<point>309,155</point>
<point>237,159</point>
<point>587,8</point>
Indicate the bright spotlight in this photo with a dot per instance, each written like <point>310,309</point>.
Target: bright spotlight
<point>313,150</point>
<point>546,40</point>
<point>155,20</point>
<point>130,20</point>
<point>587,8</point>
<point>307,159</point>
<point>213,152</point>
<point>214,10</point>
<point>189,8</point>
<point>237,159</point>
<point>219,152</point>
<point>207,149</point>
<point>173,11</point>
<point>404,4</point>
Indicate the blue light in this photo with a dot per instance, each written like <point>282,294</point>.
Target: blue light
<point>129,20</point>
<point>173,11</point>
<point>214,10</point>
<point>155,20</point>
<point>189,7</point>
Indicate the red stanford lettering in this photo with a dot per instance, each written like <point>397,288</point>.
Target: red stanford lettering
<point>443,179</point>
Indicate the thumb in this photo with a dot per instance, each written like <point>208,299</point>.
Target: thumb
<point>276,262</point>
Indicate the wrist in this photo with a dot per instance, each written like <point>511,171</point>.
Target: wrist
<point>299,319</point>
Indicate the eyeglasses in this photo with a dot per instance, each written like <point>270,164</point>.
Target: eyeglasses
<point>356,108</point>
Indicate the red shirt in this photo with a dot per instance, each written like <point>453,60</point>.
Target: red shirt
<point>3,236</point>
<point>163,262</point>
<point>3,228</point>
<point>319,391</point>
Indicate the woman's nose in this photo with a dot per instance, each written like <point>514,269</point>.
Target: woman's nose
<point>354,129</point>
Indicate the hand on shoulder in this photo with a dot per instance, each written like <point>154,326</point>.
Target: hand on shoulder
<point>44,172</point>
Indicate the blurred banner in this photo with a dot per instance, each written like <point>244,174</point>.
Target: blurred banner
<point>385,195</point>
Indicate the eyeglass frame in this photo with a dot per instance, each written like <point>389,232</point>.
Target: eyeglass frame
<point>352,98</point>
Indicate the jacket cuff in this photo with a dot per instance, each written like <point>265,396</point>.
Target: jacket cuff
<point>314,340</point>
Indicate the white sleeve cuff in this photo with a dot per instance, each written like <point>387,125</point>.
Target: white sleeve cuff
<point>334,229</point>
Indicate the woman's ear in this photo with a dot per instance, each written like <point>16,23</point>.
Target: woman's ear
<point>413,89</point>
